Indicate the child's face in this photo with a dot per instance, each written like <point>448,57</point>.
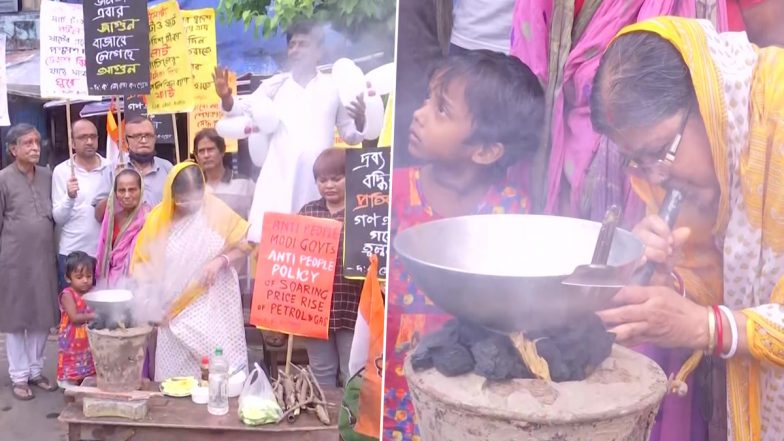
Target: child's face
<point>81,279</point>
<point>332,188</point>
<point>442,124</point>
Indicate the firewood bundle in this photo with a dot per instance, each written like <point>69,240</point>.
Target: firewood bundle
<point>299,391</point>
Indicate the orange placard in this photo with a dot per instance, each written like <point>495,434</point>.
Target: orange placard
<point>294,275</point>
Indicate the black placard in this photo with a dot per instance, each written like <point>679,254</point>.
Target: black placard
<point>117,52</point>
<point>367,210</point>
<point>164,128</point>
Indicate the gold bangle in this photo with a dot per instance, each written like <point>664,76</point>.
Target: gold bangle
<point>711,331</point>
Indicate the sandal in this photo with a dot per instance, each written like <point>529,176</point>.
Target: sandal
<point>22,391</point>
<point>43,383</point>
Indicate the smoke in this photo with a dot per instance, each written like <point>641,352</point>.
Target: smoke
<point>152,296</point>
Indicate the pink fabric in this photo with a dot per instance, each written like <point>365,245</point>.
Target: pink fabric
<point>573,140</point>
<point>120,258</point>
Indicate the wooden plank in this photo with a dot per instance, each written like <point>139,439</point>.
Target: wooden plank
<point>137,395</point>
<point>182,413</point>
<point>91,432</point>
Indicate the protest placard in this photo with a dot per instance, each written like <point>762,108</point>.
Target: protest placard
<point>62,57</point>
<point>367,210</point>
<point>171,82</point>
<point>202,48</point>
<point>294,276</point>
<point>118,49</point>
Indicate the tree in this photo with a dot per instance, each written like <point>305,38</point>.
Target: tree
<point>350,17</point>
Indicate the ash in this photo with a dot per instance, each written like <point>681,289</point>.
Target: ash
<point>572,352</point>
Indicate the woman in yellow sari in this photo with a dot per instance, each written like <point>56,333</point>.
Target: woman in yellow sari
<point>704,113</point>
<point>183,261</point>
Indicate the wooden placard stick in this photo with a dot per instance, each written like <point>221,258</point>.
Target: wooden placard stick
<point>289,352</point>
<point>120,138</point>
<point>176,138</point>
<point>70,135</point>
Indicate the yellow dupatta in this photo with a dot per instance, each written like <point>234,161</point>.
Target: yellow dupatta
<point>149,251</point>
<point>756,162</point>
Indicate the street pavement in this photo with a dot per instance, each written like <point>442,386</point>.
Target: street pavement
<point>34,420</point>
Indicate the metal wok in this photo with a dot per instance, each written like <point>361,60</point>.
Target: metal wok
<point>505,272</point>
<point>112,307</point>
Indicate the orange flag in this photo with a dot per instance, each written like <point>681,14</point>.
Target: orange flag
<point>371,309</point>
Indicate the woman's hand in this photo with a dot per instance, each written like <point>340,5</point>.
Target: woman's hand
<point>211,270</point>
<point>662,246</point>
<point>659,315</point>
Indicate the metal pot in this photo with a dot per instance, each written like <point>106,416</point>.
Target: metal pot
<point>505,272</point>
<point>111,306</point>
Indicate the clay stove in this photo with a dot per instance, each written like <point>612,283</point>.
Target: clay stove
<point>506,273</point>
<point>118,354</point>
<point>617,402</point>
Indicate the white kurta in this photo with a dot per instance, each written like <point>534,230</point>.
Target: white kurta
<point>308,117</point>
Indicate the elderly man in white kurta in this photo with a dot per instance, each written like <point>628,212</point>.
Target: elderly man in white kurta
<point>308,106</point>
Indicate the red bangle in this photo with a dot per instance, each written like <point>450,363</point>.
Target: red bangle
<point>719,332</point>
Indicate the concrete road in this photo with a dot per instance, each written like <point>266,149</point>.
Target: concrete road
<point>34,420</point>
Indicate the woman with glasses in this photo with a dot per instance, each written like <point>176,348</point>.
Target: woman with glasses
<point>703,113</point>
<point>184,262</point>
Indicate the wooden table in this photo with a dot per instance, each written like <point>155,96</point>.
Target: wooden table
<point>179,419</point>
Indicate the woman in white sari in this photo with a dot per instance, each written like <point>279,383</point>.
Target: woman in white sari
<point>183,262</point>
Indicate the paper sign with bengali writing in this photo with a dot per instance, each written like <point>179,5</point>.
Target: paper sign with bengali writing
<point>62,58</point>
<point>171,82</point>
<point>294,275</point>
<point>117,49</point>
<point>5,119</point>
<point>136,105</point>
<point>202,48</point>
<point>367,210</point>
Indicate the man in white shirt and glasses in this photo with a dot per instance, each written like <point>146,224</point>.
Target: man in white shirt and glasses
<point>75,182</point>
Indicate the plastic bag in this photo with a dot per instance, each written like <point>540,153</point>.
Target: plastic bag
<point>257,403</point>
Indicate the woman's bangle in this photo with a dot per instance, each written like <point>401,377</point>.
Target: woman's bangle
<point>719,331</point>
<point>733,330</point>
<point>711,330</point>
<point>225,257</point>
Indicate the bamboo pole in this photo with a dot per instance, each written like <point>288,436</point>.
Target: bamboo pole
<point>70,135</point>
<point>120,138</point>
<point>176,138</point>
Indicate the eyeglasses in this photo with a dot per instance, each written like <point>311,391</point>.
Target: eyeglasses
<point>655,168</point>
<point>189,204</point>
<point>142,137</point>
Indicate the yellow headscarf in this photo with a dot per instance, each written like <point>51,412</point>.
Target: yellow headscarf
<point>759,162</point>
<point>220,218</point>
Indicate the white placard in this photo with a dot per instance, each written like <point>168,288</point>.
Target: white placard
<point>5,120</point>
<point>63,72</point>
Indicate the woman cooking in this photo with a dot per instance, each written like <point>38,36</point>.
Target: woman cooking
<point>704,113</point>
<point>202,298</point>
<point>125,214</point>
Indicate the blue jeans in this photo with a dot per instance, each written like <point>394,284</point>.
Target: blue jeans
<point>61,283</point>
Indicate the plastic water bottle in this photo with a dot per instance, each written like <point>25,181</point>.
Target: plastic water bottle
<point>219,384</point>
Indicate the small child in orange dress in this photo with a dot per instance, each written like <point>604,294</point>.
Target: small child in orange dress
<point>74,359</point>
